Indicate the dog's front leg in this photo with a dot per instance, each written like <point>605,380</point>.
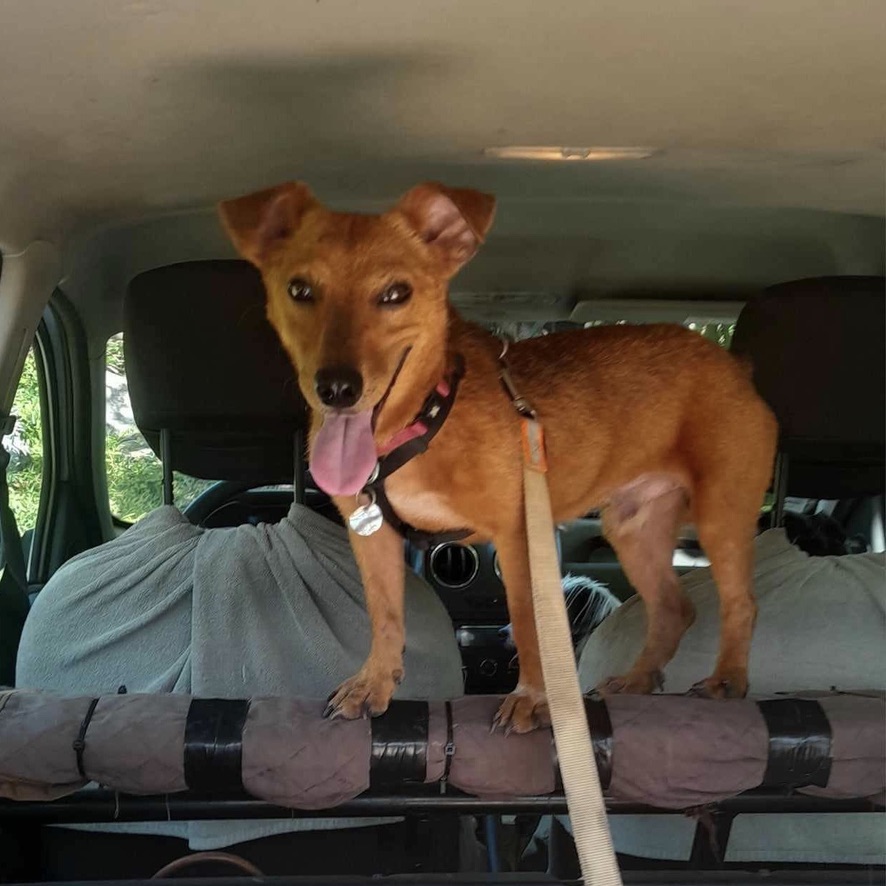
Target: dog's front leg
<point>526,708</point>
<point>382,568</point>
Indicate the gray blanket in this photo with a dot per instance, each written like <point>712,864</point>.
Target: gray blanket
<point>252,611</point>
<point>821,622</point>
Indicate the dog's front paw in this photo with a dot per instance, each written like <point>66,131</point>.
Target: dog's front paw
<point>367,694</point>
<point>633,683</point>
<point>525,709</point>
<point>731,685</point>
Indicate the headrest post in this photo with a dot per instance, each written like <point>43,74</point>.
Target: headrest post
<point>166,461</point>
<point>780,488</point>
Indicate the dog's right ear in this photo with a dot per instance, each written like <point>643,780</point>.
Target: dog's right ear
<point>259,222</point>
<point>453,221</point>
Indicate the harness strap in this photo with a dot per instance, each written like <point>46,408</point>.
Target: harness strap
<point>415,439</point>
<point>418,538</point>
<point>406,445</point>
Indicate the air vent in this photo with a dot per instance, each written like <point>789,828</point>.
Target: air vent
<point>454,566</point>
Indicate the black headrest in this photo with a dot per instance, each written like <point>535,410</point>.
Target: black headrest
<point>818,349</point>
<point>203,363</point>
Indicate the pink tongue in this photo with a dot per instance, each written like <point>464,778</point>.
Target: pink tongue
<point>344,453</point>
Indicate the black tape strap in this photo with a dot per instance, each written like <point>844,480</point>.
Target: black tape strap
<point>213,753</point>
<point>79,743</point>
<point>799,743</point>
<point>399,745</point>
<point>448,748</point>
<point>600,727</point>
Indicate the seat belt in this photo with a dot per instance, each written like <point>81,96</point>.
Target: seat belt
<point>14,602</point>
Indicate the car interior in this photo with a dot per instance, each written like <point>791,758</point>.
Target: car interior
<point>722,167</point>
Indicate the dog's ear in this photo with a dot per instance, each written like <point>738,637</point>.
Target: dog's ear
<point>452,220</point>
<point>259,222</point>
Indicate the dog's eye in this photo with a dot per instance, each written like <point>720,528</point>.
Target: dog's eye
<point>395,294</point>
<point>300,290</point>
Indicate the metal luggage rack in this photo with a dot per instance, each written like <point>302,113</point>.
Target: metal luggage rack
<point>709,846</point>
<point>102,805</point>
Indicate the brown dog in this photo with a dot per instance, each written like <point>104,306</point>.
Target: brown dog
<point>652,424</point>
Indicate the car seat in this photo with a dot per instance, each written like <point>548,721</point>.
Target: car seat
<point>816,348</point>
<point>212,390</point>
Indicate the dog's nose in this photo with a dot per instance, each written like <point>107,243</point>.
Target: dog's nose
<point>338,387</point>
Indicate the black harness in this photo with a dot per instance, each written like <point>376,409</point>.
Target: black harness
<point>423,429</point>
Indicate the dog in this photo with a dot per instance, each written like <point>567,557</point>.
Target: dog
<point>653,425</point>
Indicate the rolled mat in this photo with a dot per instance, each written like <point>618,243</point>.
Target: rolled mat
<point>671,752</point>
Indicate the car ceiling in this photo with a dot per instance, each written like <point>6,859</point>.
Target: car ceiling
<point>122,122</point>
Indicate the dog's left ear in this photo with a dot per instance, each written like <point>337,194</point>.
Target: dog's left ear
<point>452,220</point>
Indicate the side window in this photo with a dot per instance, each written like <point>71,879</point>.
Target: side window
<point>721,333</point>
<point>25,446</point>
<point>135,475</point>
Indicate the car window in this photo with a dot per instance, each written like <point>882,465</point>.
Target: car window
<point>25,446</point>
<point>135,475</point>
<point>721,333</point>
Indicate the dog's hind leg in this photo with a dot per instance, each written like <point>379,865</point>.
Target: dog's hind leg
<point>526,708</point>
<point>726,534</point>
<point>641,523</point>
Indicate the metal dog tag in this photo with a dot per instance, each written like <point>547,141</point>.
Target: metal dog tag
<point>366,519</point>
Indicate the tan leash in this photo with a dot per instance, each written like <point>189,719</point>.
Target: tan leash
<point>575,751</point>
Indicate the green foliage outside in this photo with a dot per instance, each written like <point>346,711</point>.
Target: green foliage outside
<point>135,475</point>
<point>721,333</point>
<point>25,447</point>
<point>135,479</point>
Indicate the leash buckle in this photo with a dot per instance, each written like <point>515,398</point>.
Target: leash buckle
<point>518,401</point>
<point>521,404</point>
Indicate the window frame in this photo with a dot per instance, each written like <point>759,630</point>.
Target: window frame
<point>37,349</point>
<point>67,520</point>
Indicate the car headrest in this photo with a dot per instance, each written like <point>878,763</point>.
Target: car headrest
<point>204,365</point>
<point>818,355</point>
